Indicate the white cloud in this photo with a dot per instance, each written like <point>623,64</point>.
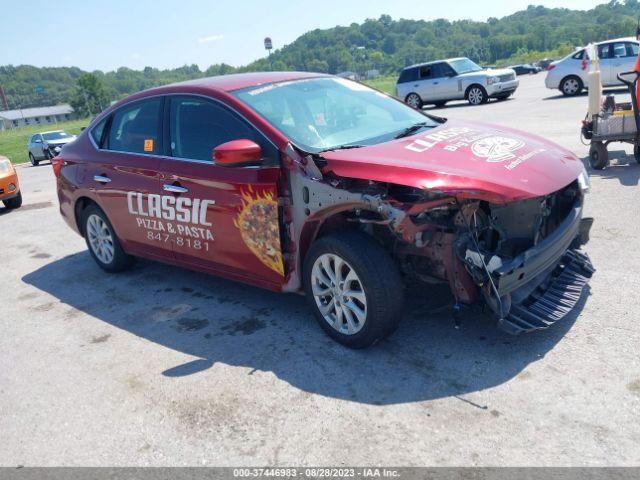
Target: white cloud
<point>210,38</point>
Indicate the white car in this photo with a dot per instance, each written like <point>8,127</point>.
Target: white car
<point>454,79</point>
<point>615,56</point>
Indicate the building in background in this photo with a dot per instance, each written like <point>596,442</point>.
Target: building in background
<point>35,116</point>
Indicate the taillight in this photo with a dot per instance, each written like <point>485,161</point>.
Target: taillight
<point>56,163</point>
<point>550,67</point>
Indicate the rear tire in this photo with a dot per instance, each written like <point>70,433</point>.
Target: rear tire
<point>102,241</point>
<point>357,285</point>
<point>414,101</point>
<point>598,155</point>
<point>33,160</point>
<point>13,203</point>
<point>477,95</point>
<point>571,86</point>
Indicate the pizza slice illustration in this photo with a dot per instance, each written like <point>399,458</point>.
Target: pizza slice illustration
<point>259,228</point>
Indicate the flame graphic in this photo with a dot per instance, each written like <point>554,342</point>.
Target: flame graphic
<point>257,221</point>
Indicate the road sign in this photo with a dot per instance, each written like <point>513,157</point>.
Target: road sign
<point>39,89</point>
<point>268,44</point>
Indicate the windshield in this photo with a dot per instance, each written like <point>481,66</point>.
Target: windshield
<point>327,113</point>
<point>464,65</point>
<point>56,135</point>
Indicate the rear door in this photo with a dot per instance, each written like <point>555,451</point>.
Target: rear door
<point>606,64</point>
<point>124,177</point>
<point>624,58</point>
<point>226,218</point>
<point>426,86</point>
<point>35,146</point>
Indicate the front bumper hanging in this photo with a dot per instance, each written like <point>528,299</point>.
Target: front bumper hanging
<point>553,299</point>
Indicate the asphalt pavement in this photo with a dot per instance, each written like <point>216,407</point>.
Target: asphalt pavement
<point>162,366</point>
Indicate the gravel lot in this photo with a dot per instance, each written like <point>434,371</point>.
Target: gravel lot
<point>162,366</point>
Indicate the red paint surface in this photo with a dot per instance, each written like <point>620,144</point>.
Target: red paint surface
<point>461,172</point>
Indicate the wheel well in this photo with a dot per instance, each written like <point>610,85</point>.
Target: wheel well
<point>466,93</point>
<point>81,204</point>
<point>337,222</point>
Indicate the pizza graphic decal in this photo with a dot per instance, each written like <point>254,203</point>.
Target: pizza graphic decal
<point>258,225</point>
<point>496,149</point>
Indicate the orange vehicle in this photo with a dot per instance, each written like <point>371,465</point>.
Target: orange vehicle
<point>9,186</point>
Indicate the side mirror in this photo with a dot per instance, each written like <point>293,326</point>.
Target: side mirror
<point>237,153</point>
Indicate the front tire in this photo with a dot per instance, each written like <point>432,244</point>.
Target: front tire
<point>571,86</point>
<point>102,241</point>
<point>13,203</point>
<point>477,95</point>
<point>414,101</point>
<point>354,288</point>
<point>33,160</point>
<point>598,155</point>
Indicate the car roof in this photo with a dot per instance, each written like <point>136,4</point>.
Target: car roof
<point>621,39</point>
<point>49,131</point>
<point>435,61</point>
<point>237,81</point>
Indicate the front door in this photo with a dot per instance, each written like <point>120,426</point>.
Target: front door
<point>445,82</point>
<point>226,218</point>
<point>123,174</point>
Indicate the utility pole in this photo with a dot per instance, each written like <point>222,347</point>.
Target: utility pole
<point>268,45</point>
<point>3,99</point>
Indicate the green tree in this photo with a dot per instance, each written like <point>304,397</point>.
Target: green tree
<point>90,95</point>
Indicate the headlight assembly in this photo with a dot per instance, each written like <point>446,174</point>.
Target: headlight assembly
<point>583,181</point>
<point>492,80</point>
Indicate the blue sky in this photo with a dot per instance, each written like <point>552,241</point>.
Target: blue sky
<point>106,34</point>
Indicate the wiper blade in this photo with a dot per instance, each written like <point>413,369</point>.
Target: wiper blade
<point>342,147</point>
<point>412,129</point>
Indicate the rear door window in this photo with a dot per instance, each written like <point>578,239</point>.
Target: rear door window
<point>408,75</point>
<point>426,72</point>
<point>136,127</point>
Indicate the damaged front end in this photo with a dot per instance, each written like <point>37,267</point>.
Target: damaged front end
<point>520,258</point>
<point>524,257</point>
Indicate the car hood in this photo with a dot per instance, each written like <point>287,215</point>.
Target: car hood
<point>489,72</point>
<point>467,160</point>
<point>61,141</point>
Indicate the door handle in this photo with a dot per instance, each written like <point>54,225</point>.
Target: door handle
<point>435,83</point>
<point>101,179</point>
<point>174,188</point>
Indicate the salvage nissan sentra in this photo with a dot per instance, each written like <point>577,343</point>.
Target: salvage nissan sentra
<point>301,182</point>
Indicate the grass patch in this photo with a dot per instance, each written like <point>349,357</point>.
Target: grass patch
<point>13,142</point>
<point>386,84</point>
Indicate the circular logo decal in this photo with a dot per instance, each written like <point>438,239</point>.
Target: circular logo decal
<point>496,149</point>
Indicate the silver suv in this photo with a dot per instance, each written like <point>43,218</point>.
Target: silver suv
<point>453,79</point>
<point>46,145</point>
<point>615,56</point>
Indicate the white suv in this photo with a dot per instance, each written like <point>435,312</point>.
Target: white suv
<point>615,56</point>
<point>454,79</point>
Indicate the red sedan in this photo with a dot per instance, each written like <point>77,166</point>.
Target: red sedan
<point>301,182</point>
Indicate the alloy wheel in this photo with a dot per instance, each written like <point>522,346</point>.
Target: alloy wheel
<point>571,86</point>
<point>100,239</point>
<point>475,96</point>
<point>413,100</point>
<point>339,294</point>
